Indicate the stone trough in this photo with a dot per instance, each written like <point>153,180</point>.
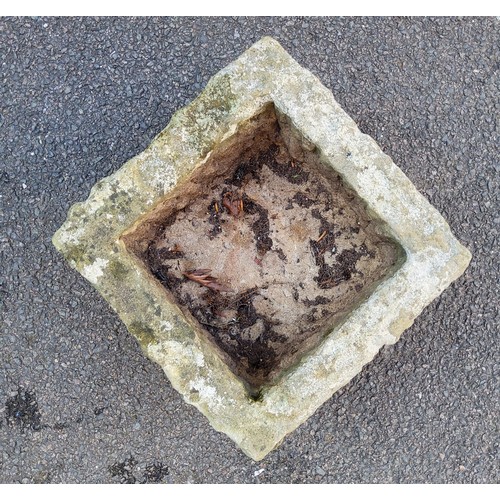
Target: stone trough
<point>262,249</point>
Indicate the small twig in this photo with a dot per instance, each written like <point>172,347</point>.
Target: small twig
<point>323,234</point>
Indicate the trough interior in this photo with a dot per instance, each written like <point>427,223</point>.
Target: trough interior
<point>264,248</point>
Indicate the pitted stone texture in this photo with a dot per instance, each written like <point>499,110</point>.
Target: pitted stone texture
<point>91,241</point>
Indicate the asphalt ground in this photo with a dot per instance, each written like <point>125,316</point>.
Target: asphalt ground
<point>78,400</point>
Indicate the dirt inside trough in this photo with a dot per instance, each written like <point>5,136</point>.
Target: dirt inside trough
<point>265,248</point>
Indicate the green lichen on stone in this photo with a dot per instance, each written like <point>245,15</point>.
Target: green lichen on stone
<point>120,202</point>
<point>118,270</point>
<point>75,254</point>
<point>181,330</point>
<point>144,334</point>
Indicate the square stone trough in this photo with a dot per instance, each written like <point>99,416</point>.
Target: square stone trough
<point>262,249</point>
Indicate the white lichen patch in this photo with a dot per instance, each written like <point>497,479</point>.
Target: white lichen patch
<point>162,175</point>
<point>70,235</point>
<point>95,270</point>
<point>176,352</point>
<point>207,393</point>
<point>166,326</point>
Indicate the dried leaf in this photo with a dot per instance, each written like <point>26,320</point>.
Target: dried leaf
<point>202,277</point>
<point>233,204</point>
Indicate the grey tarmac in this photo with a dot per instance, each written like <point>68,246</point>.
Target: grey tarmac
<point>79,402</point>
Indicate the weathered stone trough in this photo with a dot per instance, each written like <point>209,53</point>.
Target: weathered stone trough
<point>262,249</point>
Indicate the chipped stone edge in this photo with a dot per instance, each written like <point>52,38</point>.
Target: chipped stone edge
<point>89,239</point>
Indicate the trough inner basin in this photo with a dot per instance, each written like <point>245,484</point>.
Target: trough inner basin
<point>264,249</point>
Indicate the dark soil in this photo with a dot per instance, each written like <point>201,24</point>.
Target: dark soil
<point>301,200</point>
<point>260,227</point>
<point>214,218</point>
<point>290,170</point>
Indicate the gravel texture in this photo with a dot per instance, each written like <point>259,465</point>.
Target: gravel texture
<point>78,400</point>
